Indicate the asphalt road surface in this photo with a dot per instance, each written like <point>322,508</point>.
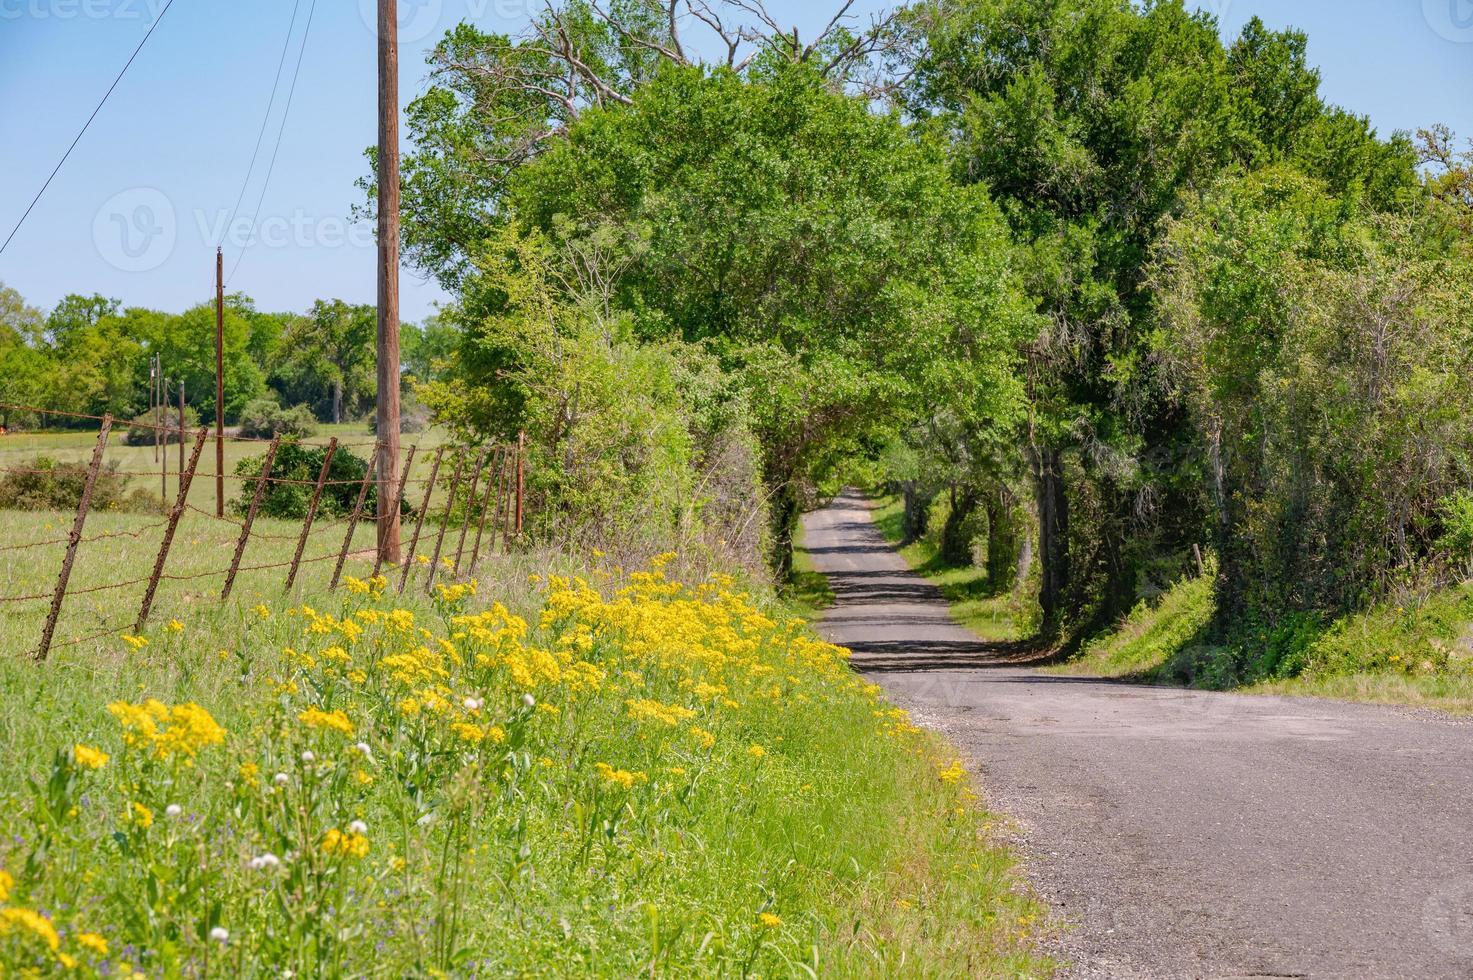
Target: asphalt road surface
<point>1178,833</point>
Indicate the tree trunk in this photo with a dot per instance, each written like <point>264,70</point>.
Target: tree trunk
<point>956,542</point>
<point>785,515</point>
<point>1053,536</point>
<point>917,514</point>
<point>1002,540</point>
<point>337,402</point>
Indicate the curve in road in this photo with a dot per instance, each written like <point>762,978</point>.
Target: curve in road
<point>1182,833</point>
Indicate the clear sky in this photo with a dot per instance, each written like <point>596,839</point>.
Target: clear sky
<point>138,208</point>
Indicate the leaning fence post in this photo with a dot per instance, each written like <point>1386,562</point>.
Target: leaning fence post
<point>378,561</point>
<point>493,490</point>
<point>186,477</point>
<point>420,523</point>
<point>250,517</point>
<point>74,539</point>
<point>470,501</point>
<point>291,576</point>
<point>337,572</point>
<point>445,522</point>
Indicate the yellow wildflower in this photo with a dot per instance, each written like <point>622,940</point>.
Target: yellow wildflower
<point>334,720</point>
<point>174,626</point>
<point>92,941</point>
<point>769,920</point>
<point>340,844</point>
<point>135,642</point>
<point>89,758</point>
<point>139,814</point>
<point>620,777</point>
<point>756,751</point>
<point>7,883</point>
<point>13,919</point>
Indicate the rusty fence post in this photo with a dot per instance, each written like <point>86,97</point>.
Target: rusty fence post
<point>378,561</point>
<point>508,502</point>
<point>493,491</point>
<point>337,572</point>
<point>74,539</point>
<point>186,477</point>
<point>445,522</point>
<point>419,523</point>
<point>470,501</point>
<point>332,449</point>
<point>521,455</point>
<point>250,517</point>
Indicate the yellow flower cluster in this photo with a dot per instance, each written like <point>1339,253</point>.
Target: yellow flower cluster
<point>337,843</point>
<point>335,720</point>
<point>180,730</point>
<point>89,758</point>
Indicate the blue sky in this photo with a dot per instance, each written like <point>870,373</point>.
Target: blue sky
<point>138,208</point>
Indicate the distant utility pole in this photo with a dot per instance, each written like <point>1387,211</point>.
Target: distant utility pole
<point>181,428</point>
<point>219,385</point>
<point>388,280</point>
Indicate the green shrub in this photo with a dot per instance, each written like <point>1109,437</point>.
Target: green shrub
<point>263,418</point>
<point>300,465</point>
<point>43,483</point>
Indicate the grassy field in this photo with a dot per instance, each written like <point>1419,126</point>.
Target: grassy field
<point>566,770</point>
<point>1000,618</point>
<point>16,449</point>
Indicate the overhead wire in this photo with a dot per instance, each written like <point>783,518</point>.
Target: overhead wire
<point>265,121</point>
<point>280,129</point>
<point>82,132</point>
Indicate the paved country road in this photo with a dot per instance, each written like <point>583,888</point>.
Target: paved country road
<point>1179,833</point>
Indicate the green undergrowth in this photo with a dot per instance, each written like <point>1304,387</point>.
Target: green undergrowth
<point>975,603</point>
<point>1413,652</point>
<point>807,590</point>
<point>539,778</point>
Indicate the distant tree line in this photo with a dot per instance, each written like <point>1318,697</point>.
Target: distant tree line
<point>90,355</point>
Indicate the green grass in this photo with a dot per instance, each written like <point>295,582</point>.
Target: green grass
<point>1000,618</point>
<point>514,857</point>
<point>807,592</point>
<point>1416,653</point>
<point>16,449</point>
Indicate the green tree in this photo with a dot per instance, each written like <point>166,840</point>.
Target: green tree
<point>328,360</point>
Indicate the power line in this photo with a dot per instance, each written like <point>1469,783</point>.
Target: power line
<point>265,120</point>
<point>85,125</point>
<point>286,111</point>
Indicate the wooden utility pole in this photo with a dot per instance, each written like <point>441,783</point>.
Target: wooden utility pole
<point>219,385</point>
<point>388,280</point>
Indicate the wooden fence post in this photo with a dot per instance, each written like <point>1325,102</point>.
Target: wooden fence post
<point>521,453</point>
<point>337,573</point>
<point>250,517</point>
<point>470,501</point>
<point>186,477</point>
<point>445,523</point>
<point>74,539</point>
<point>419,524</point>
<point>332,449</point>
<point>507,502</point>
<point>493,492</point>
<point>378,561</point>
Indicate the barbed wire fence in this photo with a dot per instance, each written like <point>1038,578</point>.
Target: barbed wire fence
<point>491,475</point>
